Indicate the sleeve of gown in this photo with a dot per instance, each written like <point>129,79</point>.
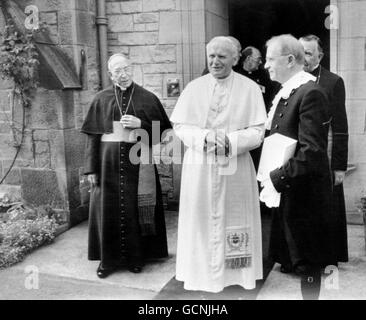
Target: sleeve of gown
<point>92,159</point>
<point>156,113</point>
<point>339,128</point>
<point>191,136</point>
<point>245,140</point>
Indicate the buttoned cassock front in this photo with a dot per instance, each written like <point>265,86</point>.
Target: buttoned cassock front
<point>214,196</point>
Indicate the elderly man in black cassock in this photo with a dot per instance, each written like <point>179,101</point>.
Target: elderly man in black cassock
<point>126,216</point>
<point>337,138</point>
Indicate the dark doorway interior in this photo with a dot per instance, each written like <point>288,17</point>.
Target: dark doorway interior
<point>253,22</point>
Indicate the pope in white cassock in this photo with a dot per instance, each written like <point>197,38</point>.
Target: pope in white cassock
<point>220,118</point>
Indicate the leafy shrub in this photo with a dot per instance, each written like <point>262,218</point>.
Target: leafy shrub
<point>23,229</point>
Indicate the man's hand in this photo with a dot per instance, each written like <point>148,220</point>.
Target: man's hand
<point>93,180</point>
<point>217,141</point>
<point>339,177</point>
<point>210,142</point>
<point>222,143</point>
<point>130,122</point>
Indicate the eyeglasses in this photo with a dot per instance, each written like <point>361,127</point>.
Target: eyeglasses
<point>257,59</point>
<point>119,71</point>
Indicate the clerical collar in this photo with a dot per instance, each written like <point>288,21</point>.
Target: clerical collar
<point>316,70</point>
<point>123,88</point>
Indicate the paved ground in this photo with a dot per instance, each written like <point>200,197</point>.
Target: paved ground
<point>62,271</point>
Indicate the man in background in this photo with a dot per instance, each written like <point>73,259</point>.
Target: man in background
<point>337,138</point>
<point>250,67</point>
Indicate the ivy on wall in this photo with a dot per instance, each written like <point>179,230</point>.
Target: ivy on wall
<point>18,63</point>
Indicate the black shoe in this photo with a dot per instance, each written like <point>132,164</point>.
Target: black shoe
<point>104,272</point>
<point>135,269</point>
<point>286,268</point>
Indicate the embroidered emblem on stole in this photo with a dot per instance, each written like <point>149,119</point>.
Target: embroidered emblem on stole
<point>238,247</point>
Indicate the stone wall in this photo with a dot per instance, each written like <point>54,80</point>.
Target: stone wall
<point>49,166</point>
<point>351,65</point>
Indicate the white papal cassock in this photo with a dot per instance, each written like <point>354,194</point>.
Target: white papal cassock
<point>219,216</point>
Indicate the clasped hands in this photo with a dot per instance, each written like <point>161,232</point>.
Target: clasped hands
<point>130,122</point>
<point>217,142</point>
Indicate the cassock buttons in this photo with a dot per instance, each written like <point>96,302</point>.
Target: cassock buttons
<point>282,178</point>
<point>281,115</point>
<point>276,126</point>
<point>285,103</point>
<point>287,186</point>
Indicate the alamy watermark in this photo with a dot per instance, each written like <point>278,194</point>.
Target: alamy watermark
<point>31,281</point>
<point>32,20</point>
<point>332,21</point>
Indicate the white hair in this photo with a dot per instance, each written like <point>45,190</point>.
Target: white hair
<point>289,45</point>
<point>115,56</point>
<point>226,42</point>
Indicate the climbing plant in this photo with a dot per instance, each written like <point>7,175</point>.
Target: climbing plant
<point>18,63</point>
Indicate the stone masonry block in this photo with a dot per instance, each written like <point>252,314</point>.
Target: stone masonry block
<point>356,114</point>
<point>352,19</point>
<point>5,100</point>
<point>51,188</point>
<point>6,146</point>
<point>140,27</point>
<point>138,38</point>
<point>190,5</point>
<point>356,148</point>
<point>170,28</point>
<point>113,7</point>
<point>131,6</point>
<point>66,27</point>
<point>6,84</point>
<point>121,23</point>
<point>14,176</point>
<point>355,83</point>
<point>146,17</point>
<point>152,26</point>
<point>160,68</point>
<point>86,29</point>
<point>161,5</point>
<point>153,54</point>
<point>354,186</point>
<point>74,148</point>
<point>40,135</point>
<point>5,127</point>
<point>352,54</point>
<point>153,80</point>
<point>48,17</point>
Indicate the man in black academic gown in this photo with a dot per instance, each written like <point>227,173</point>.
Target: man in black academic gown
<point>338,138</point>
<point>126,217</point>
<point>300,233</point>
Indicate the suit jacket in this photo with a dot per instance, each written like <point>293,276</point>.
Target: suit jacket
<point>304,181</point>
<point>335,90</point>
